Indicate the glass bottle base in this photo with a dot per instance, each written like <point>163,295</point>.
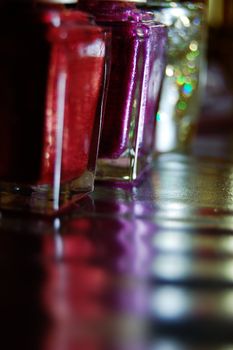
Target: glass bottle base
<point>122,170</point>
<point>44,199</point>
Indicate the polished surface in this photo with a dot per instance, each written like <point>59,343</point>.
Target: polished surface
<point>146,268</point>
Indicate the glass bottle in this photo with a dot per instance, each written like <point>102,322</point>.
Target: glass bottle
<point>185,71</point>
<point>52,70</point>
<point>137,66</point>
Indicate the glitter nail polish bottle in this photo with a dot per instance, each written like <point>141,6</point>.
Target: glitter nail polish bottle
<point>137,63</point>
<point>52,70</point>
<point>185,71</point>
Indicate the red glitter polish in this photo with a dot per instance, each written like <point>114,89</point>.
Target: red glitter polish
<point>52,67</point>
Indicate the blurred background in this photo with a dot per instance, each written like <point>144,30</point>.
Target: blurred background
<point>217,112</point>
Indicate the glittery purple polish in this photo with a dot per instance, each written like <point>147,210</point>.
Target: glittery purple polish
<point>137,64</point>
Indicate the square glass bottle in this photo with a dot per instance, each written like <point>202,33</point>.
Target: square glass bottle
<point>52,66</point>
<point>185,73</point>
<point>137,66</point>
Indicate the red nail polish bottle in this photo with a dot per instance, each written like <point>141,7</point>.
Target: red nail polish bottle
<point>52,66</point>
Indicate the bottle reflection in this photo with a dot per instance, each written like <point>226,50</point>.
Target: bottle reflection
<point>96,291</point>
<point>137,201</point>
<point>106,283</point>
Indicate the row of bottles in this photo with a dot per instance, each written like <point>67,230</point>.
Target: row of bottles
<point>78,78</point>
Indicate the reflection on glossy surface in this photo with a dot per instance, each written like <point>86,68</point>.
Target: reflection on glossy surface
<point>177,241</point>
<point>96,287</point>
<point>182,191</point>
<point>174,344</point>
<point>194,192</point>
<point>178,304</point>
<point>145,268</point>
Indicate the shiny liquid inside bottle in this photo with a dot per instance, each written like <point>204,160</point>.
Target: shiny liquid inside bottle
<point>137,64</point>
<point>52,66</point>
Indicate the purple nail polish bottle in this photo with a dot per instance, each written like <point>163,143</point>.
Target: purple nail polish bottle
<point>137,65</point>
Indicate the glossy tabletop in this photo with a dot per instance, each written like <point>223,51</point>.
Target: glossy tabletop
<point>146,268</point>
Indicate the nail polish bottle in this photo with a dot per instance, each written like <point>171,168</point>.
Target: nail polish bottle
<point>137,63</point>
<point>185,73</point>
<point>52,67</point>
